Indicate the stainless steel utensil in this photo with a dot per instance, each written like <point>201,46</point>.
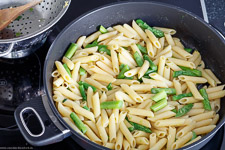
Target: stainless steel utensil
<point>29,31</point>
<point>10,14</point>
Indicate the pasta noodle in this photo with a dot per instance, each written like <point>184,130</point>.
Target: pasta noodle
<point>159,144</point>
<point>127,134</point>
<point>181,52</point>
<point>119,141</point>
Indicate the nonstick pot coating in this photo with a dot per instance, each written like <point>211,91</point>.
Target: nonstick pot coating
<point>192,30</point>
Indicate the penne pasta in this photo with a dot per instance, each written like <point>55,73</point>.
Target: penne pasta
<point>143,69</point>
<point>212,75</point>
<point>171,138</point>
<point>160,78</point>
<point>68,93</point>
<point>96,104</point>
<point>181,52</point>
<point>153,39</point>
<point>180,142</point>
<point>150,49</point>
<point>127,134</point>
<point>104,78</point>
<point>142,87</point>
<point>115,62</point>
<point>140,112</point>
<point>80,41</point>
<point>156,83</point>
<point>169,39</point>
<point>184,63</point>
<point>204,129</point>
<point>194,90</point>
<point>160,144</point>
<point>162,62</point>
<point>177,86</point>
<point>163,115</point>
<point>166,30</point>
<point>139,120</point>
<point>139,115</point>
<point>123,30</point>
<point>112,129</point>
<point>119,141</point>
<point>131,93</point>
<point>102,131</point>
<point>91,38</point>
<point>139,30</point>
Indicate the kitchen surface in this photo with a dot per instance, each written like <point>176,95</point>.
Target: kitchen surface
<point>21,79</point>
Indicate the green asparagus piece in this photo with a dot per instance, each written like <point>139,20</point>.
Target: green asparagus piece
<point>104,49</point>
<point>31,9</point>
<point>149,71</point>
<point>206,102</point>
<point>146,76</point>
<point>64,100</point>
<point>86,85</point>
<point>157,97</point>
<point>178,97</point>
<point>169,91</point>
<point>174,110</point>
<point>138,59</point>
<point>67,69</point>
<point>152,65</point>
<point>185,109</point>
<point>18,18</point>
<point>183,72</point>
<point>142,49</point>
<point>189,50</point>
<point>139,127</point>
<point>195,71</point>
<point>18,34</point>
<point>103,29</point>
<point>159,105</point>
<point>82,71</point>
<point>144,25</point>
<point>121,66</point>
<point>130,78</point>
<point>111,105</point>
<point>78,123</point>
<point>71,50</point>
<point>82,92</point>
<point>85,107</point>
<point>101,48</point>
<point>194,135</point>
<point>109,86</point>
<point>93,44</point>
<point>131,129</point>
<point>121,74</point>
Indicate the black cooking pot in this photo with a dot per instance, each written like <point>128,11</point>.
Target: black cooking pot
<point>190,29</point>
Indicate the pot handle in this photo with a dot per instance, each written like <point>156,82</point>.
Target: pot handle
<point>10,48</point>
<point>50,132</point>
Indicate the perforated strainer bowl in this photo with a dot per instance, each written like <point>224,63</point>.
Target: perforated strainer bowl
<point>30,30</point>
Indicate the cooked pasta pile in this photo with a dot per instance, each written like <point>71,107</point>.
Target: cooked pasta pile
<point>136,87</point>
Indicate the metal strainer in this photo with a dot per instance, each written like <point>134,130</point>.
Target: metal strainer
<point>31,29</point>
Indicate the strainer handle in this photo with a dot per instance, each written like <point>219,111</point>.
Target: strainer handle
<point>8,50</point>
<point>49,130</point>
